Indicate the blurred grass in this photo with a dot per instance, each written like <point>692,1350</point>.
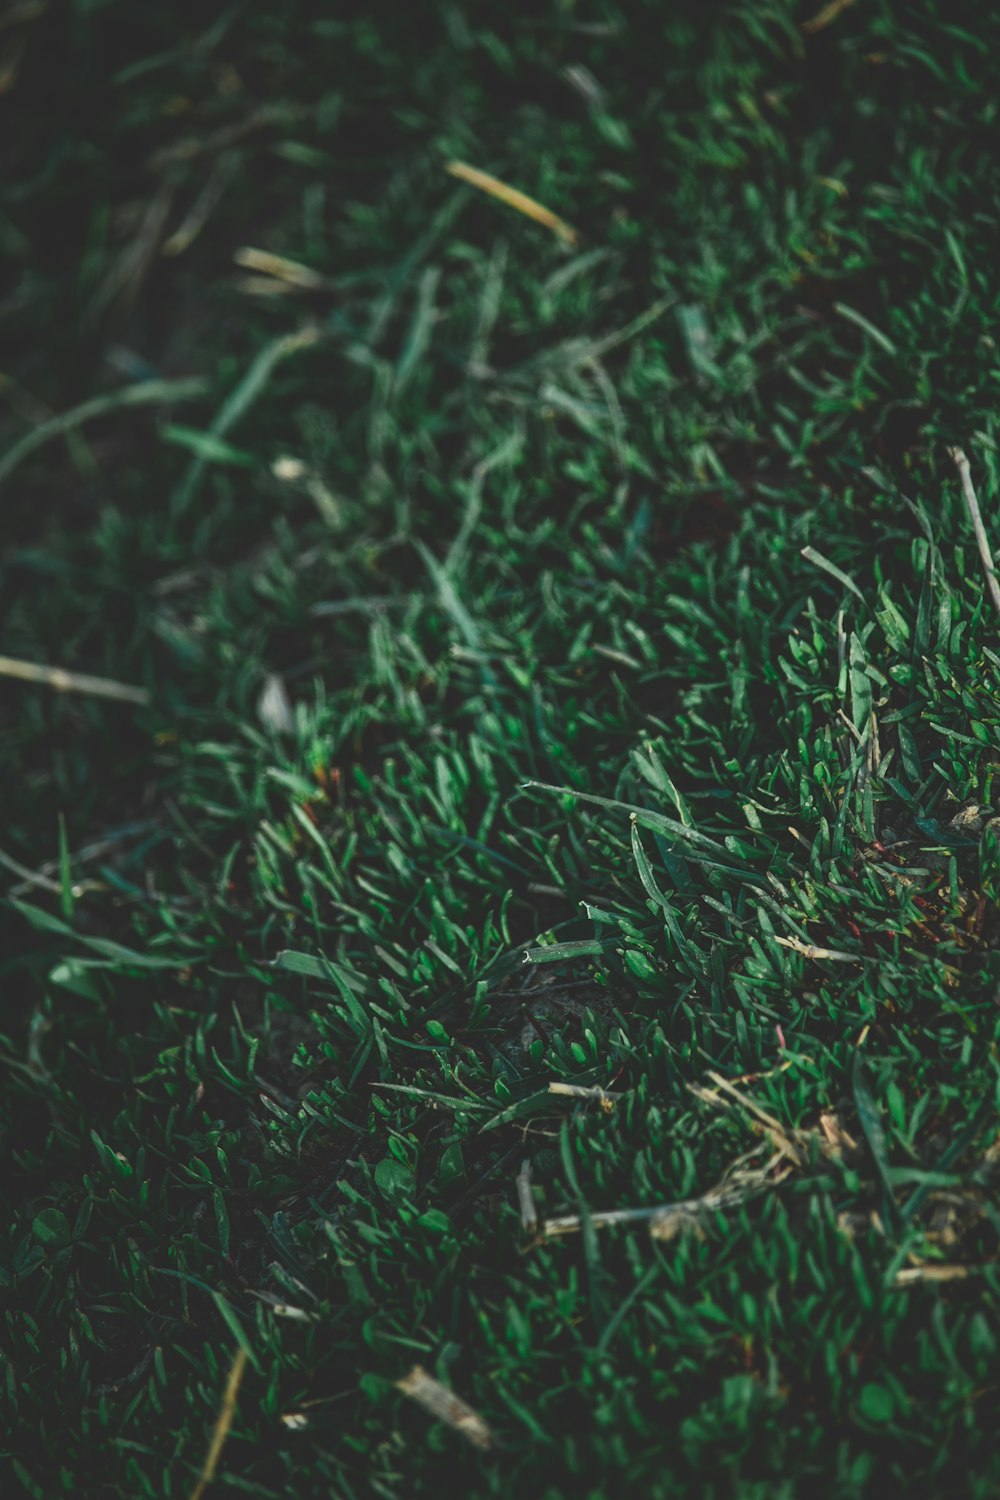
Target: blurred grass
<point>609,606</point>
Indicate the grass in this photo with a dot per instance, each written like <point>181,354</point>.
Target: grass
<point>544,663</point>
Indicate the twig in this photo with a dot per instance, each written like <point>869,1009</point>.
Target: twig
<point>961,463</point>
<point>72,682</point>
<point>525,1199</point>
<point>223,1422</point>
<point>445,1406</point>
<point>530,207</point>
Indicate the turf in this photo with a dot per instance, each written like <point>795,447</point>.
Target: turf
<point>561,664</point>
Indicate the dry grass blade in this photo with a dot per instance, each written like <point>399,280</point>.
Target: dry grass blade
<point>16,46</point>
<point>280,267</point>
<point>668,1220</point>
<point>265,286</point>
<point>72,682</point>
<point>913,1275</point>
<point>128,271</point>
<point>657,1218</point>
<point>445,1406</point>
<point>526,1200</point>
<point>530,207</point>
<point>794,1144</point>
<point>665,1220</point>
<point>223,1422</point>
<point>573,1223</point>
<point>672,1222</point>
<point>197,216</point>
<point>577,1091</point>
<point>19,15</point>
<point>836,1141</point>
<point>961,463</point>
<point>274,707</point>
<point>10,61</point>
<point>192,147</point>
<point>826,16</point>
<point>809,950</point>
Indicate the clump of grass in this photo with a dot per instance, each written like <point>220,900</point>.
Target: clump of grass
<point>509,988</point>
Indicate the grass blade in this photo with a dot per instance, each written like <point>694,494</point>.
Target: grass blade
<point>146,393</point>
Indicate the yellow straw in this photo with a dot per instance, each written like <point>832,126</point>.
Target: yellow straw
<point>530,207</point>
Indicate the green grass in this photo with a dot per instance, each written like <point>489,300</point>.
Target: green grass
<point>565,665</point>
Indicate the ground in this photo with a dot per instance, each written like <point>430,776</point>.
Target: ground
<point>518,912</point>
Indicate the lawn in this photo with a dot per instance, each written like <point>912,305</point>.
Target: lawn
<point>501,923</point>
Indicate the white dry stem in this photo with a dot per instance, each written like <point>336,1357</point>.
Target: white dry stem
<point>961,463</point>
<point>442,1404</point>
<point>65,681</point>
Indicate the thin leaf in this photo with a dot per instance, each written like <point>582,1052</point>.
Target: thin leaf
<point>146,393</point>
<point>558,952</point>
<point>238,403</point>
<point>818,560</point>
<point>65,874</point>
<point>871,1124</point>
<point>232,1320</point>
<point>656,822</point>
